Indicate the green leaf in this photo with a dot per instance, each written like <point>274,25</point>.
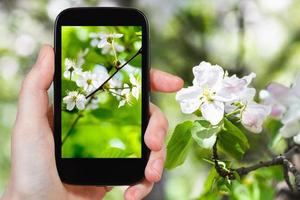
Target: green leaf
<point>179,145</point>
<point>204,133</point>
<point>67,86</point>
<point>232,140</point>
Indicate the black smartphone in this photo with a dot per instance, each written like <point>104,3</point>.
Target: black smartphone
<point>101,95</point>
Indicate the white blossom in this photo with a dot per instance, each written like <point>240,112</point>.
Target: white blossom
<point>88,81</point>
<point>74,99</point>
<point>205,94</point>
<point>237,88</point>
<point>277,96</point>
<point>105,42</point>
<point>285,103</point>
<point>91,81</point>
<point>71,68</point>
<point>109,50</point>
<point>136,86</point>
<point>126,96</point>
<point>254,115</point>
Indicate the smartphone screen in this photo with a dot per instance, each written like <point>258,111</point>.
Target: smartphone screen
<point>101,98</point>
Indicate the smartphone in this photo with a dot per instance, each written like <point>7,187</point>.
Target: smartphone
<point>101,95</point>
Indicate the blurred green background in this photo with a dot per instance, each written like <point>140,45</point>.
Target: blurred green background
<point>262,36</point>
<point>104,131</point>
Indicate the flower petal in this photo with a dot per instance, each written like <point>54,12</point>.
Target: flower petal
<point>94,42</point>
<point>117,35</point>
<point>254,115</point>
<point>189,99</point>
<point>102,43</point>
<point>132,79</point>
<point>70,105</point>
<point>135,92</point>
<point>290,129</point>
<point>67,74</point>
<point>80,102</point>
<point>207,75</point>
<point>213,111</point>
<point>121,103</point>
<point>118,47</point>
<point>297,138</point>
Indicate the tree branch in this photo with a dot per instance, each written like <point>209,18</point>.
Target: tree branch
<point>221,170</point>
<point>118,69</point>
<point>71,128</point>
<point>287,177</point>
<point>282,160</point>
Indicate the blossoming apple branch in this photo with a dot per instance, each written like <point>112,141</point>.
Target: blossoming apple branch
<point>99,80</point>
<point>226,109</point>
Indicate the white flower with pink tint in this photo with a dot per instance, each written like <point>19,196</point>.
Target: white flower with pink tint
<point>285,104</point>
<point>254,115</point>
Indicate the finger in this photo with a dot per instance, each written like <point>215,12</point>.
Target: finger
<point>164,82</point>
<point>139,191</point>
<point>155,166</point>
<point>157,129</point>
<point>33,103</point>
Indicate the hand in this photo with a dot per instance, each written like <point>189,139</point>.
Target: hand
<point>33,172</point>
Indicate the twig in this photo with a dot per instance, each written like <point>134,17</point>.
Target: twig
<point>118,69</point>
<point>282,160</point>
<point>221,170</point>
<point>71,128</point>
<point>292,168</point>
<point>287,178</point>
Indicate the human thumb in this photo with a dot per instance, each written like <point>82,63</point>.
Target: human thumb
<point>33,98</point>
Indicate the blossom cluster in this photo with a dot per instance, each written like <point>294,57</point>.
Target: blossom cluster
<point>91,80</point>
<point>285,104</point>
<point>107,42</point>
<point>216,94</point>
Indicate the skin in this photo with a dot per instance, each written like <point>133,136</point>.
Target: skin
<point>33,170</point>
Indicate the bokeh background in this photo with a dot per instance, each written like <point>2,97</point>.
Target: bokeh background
<point>262,36</point>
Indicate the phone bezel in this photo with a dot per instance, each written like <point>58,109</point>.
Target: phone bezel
<point>101,171</point>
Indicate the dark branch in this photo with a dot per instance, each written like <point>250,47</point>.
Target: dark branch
<point>287,177</point>
<point>71,128</point>
<point>282,160</point>
<point>220,170</point>
<point>118,69</point>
